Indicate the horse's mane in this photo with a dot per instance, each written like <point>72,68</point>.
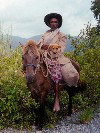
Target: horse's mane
<point>30,43</point>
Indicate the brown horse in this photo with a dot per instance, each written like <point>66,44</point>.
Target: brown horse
<point>38,81</point>
<point>38,84</point>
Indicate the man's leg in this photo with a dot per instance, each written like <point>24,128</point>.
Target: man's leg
<point>56,99</point>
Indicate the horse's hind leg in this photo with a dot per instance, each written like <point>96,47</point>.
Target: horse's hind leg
<point>70,93</point>
<point>70,105</point>
<point>42,115</point>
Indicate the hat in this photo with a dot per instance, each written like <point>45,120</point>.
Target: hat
<point>53,15</point>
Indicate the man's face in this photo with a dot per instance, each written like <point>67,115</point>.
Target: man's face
<point>53,23</point>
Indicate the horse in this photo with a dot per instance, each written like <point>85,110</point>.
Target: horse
<point>38,81</point>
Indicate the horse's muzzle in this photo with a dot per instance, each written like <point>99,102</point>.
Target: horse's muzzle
<point>30,79</point>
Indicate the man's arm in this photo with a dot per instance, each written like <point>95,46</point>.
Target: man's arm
<point>40,43</point>
<point>62,41</point>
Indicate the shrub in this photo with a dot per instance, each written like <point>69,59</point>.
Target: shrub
<point>17,106</point>
<point>86,115</point>
<point>15,101</point>
<point>86,52</point>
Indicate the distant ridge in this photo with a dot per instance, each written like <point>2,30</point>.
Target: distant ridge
<point>17,39</point>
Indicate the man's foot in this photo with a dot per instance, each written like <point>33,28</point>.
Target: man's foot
<point>56,107</point>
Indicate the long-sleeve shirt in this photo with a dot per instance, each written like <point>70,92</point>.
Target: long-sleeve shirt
<point>52,37</point>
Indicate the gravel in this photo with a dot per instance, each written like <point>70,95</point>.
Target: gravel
<point>66,125</point>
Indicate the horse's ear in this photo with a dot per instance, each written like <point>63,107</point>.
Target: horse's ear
<point>21,44</point>
<point>22,48</point>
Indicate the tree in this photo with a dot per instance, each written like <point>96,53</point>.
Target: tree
<point>95,8</point>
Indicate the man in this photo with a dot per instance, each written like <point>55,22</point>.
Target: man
<point>54,21</point>
<point>52,36</point>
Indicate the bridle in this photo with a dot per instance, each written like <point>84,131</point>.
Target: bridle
<point>34,66</point>
<point>31,65</point>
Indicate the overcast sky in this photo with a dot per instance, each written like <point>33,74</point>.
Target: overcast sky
<point>27,16</point>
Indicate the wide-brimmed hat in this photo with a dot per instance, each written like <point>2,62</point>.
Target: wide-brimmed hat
<point>48,17</point>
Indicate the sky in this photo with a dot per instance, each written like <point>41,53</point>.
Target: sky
<point>25,18</point>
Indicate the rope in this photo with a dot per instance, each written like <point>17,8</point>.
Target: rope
<point>49,62</point>
<point>45,75</point>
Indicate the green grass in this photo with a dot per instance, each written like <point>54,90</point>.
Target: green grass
<point>86,115</point>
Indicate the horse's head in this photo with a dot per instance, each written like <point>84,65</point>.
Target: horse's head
<point>30,59</point>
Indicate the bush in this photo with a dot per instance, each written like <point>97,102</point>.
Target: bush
<point>86,115</point>
<point>17,106</point>
<point>15,101</point>
<point>87,53</point>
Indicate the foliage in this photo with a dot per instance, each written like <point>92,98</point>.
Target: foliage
<point>15,101</point>
<point>17,108</point>
<point>95,7</point>
<point>86,115</point>
<point>16,105</point>
<point>87,53</point>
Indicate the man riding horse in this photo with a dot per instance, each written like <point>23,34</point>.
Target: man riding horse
<point>54,36</point>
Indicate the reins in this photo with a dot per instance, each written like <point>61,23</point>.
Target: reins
<point>32,65</point>
<point>46,59</point>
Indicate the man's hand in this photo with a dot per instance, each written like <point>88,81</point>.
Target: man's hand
<point>45,47</point>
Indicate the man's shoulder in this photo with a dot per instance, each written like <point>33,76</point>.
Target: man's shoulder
<point>48,31</point>
<point>44,34</point>
<point>62,34</point>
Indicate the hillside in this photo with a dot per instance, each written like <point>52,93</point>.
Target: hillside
<point>16,40</point>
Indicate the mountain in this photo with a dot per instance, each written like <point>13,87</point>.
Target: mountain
<point>36,38</point>
<point>16,40</point>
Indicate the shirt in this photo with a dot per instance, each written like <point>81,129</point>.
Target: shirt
<point>51,37</point>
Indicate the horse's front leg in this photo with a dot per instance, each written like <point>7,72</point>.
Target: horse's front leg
<point>42,116</point>
<point>56,99</point>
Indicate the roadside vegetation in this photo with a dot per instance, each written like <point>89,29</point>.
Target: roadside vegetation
<point>17,106</point>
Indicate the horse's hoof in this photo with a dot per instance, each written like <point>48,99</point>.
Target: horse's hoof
<point>39,128</point>
<point>69,115</point>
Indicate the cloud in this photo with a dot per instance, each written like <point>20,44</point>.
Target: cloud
<point>5,3</point>
<point>27,16</point>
